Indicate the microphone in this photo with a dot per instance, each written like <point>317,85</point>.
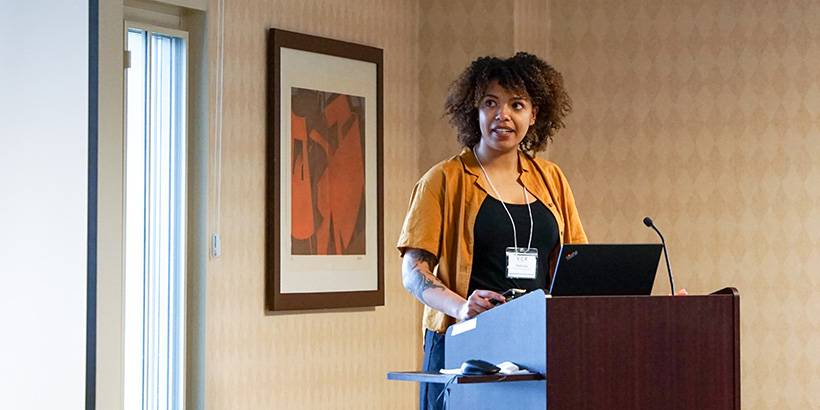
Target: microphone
<point>648,222</point>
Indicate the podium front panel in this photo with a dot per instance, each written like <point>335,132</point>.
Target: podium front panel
<point>642,352</point>
<point>613,352</point>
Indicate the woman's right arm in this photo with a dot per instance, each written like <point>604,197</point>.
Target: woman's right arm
<point>418,278</point>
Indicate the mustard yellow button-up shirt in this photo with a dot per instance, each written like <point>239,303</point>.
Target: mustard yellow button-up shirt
<point>442,213</point>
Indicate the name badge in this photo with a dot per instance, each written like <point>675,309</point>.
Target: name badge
<point>522,263</point>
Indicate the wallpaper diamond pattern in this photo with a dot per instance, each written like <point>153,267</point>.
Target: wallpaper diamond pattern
<point>704,115</point>
<point>308,360</point>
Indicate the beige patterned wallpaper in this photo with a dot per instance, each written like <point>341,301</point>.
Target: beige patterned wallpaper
<point>454,33</point>
<point>701,114</point>
<point>704,116</point>
<point>451,35</point>
<point>329,359</point>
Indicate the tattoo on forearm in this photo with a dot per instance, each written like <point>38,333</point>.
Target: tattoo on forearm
<point>426,257</point>
<point>414,278</point>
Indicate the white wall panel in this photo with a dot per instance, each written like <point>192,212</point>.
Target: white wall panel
<point>43,203</point>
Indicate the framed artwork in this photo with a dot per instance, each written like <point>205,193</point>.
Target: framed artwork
<point>324,181</point>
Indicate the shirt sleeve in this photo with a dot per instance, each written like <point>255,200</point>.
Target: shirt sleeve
<point>574,229</point>
<point>423,224</point>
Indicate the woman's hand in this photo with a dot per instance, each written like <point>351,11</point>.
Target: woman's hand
<point>681,292</point>
<point>418,279</point>
<point>479,301</point>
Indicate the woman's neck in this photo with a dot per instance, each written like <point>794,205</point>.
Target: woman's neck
<point>497,161</point>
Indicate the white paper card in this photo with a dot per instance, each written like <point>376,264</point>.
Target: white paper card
<point>522,263</point>
<point>464,326</point>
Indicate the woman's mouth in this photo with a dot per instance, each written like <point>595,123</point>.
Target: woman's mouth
<point>503,132</point>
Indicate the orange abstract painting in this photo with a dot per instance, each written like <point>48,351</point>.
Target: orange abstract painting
<point>327,173</point>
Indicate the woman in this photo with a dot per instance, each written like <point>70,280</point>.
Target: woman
<point>491,204</point>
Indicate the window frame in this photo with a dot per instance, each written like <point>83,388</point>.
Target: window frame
<point>182,246</point>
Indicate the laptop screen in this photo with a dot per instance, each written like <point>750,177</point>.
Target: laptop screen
<point>605,269</point>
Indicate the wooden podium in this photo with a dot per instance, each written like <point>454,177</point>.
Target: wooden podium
<point>600,352</point>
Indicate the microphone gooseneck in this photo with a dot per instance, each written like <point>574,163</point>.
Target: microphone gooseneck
<point>648,222</point>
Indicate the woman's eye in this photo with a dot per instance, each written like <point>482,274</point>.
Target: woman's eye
<point>489,103</point>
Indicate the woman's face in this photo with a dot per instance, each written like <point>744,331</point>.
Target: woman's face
<point>504,117</point>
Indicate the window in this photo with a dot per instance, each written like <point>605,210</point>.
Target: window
<point>155,218</point>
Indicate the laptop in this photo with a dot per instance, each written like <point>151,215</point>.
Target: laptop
<point>605,269</point>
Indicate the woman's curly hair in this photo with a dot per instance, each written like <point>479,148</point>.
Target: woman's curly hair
<point>524,74</point>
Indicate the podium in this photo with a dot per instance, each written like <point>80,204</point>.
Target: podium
<point>600,352</point>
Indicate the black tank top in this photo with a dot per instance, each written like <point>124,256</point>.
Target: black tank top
<point>493,234</point>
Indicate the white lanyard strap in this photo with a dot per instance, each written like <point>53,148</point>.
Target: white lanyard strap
<point>527,199</point>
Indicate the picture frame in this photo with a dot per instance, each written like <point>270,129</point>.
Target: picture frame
<point>324,216</point>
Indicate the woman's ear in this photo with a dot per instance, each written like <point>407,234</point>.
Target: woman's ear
<point>534,114</point>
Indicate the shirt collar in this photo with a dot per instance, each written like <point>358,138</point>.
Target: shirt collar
<point>471,166</point>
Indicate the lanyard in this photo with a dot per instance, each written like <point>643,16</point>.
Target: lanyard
<point>526,196</point>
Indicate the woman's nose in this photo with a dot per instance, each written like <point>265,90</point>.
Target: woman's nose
<point>503,112</point>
